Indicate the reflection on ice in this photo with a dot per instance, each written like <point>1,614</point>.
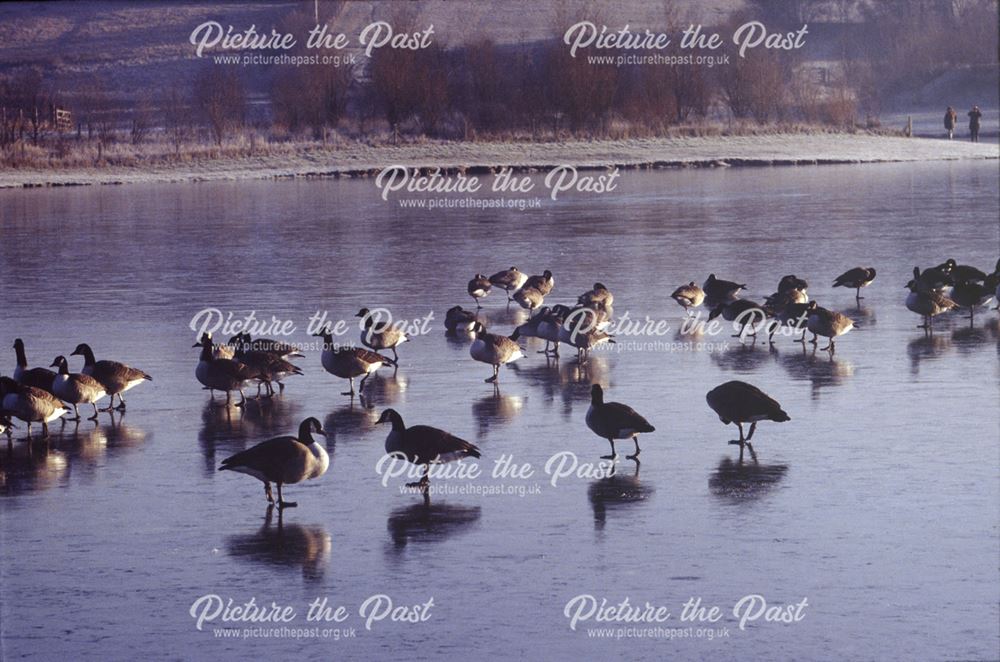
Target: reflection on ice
<point>284,544</point>
<point>740,481</point>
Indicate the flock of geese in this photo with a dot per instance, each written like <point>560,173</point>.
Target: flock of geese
<point>41,395</point>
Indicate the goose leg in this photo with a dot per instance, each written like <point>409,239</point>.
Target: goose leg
<point>395,356</point>
<point>281,388</point>
<point>121,403</point>
<point>476,300</point>
<point>813,341</point>
<point>496,374</point>
<point>753,427</point>
<point>281,501</point>
<point>268,493</point>
<point>111,404</point>
<point>350,380</point>
<point>424,480</point>
<point>361,386</point>
<point>243,400</point>
<point>76,414</point>
<point>635,456</point>
<point>45,429</point>
<point>739,441</point>
<point>546,350</point>
<point>613,454</point>
<point>94,417</point>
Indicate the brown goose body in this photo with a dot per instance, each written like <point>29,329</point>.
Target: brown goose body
<point>37,377</point>
<point>30,404</point>
<point>76,388</point>
<point>423,444</point>
<point>739,402</point>
<point>114,376</point>
<point>614,420</point>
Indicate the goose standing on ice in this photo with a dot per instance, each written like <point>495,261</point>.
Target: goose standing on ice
<point>479,287</point>
<point>529,298</point>
<point>350,362</point>
<point>76,388</point>
<point>279,348</point>
<point>857,278</point>
<point>494,349</point>
<point>380,335</point>
<point>30,404</point>
<point>423,445</point>
<point>689,296</point>
<point>827,323</point>
<point>613,420</point>
<point>543,283</point>
<point>721,290</point>
<point>115,377</point>
<point>585,332</point>
<point>971,294</point>
<point>742,311</point>
<point>510,280</point>
<point>283,460</point>
<point>935,278</point>
<point>794,315</point>
<point>792,282</point>
<point>599,296</point>
<point>549,327</point>
<point>37,377</point>
<point>928,303</point>
<point>458,319</point>
<point>270,367</point>
<point>222,374</point>
<point>960,272</point>
<point>738,402</point>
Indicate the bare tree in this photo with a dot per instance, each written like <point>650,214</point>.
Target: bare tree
<point>220,97</point>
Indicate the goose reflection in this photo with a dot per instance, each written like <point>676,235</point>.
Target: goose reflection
<point>619,490</point>
<point>31,467</point>
<point>511,315</point>
<point>287,545</point>
<point>351,420</point>
<point>272,415</point>
<point>426,522</point>
<point>386,389</point>
<point>969,339</point>
<point>743,357</point>
<point>863,316</point>
<point>223,431</point>
<point>821,369</point>
<point>496,409</point>
<point>740,481</point>
<point>928,347</point>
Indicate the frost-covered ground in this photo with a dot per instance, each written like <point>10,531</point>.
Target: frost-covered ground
<point>359,159</point>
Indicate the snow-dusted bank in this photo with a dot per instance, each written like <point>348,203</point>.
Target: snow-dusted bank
<point>358,160</point>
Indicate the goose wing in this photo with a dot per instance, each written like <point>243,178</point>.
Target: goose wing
<point>267,456</point>
<point>740,402</point>
<point>622,417</point>
<point>426,444</point>
<point>855,275</point>
<point>117,373</point>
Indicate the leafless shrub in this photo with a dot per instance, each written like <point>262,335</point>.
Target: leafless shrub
<point>220,97</point>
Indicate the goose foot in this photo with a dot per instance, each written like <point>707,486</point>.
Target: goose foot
<point>608,457</point>
<point>287,504</point>
<point>121,407</point>
<point>491,380</point>
<point>633,456</point>
<point>347,392</point>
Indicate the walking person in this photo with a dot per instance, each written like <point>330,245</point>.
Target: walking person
<point>974,116</point>
<point>950,120</point>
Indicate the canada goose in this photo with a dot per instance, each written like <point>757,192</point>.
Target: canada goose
<point>791,282</point>
<point>738,402</point>
<point>992,283</point>
<point>689,296</point>
<point>30,404</point>
<point>380,335</point>
<point>350,362</point>
<point>458,319</point>
<point>494,349</point>
<point>740,311</point>
<point>857,278</point>
<point>510,280</point>
<point>971,294</point>
<point>960,272</point>
<point>600,295</point>
<point>221,350</point>
<point>549,328</point>
<point>76,388</point>
<point>479,287</point>
<point>613,420</point>
<point>37,377</point>
<point>280,349</point>
<point>116,378</point>
<point>543,283</point>
<point>720,290</point>
<point>283,460</point>
<point>529,298</point>
<point>827,323</point>
<point>795,315</point>
<point>777,302</point>
<point>935,278</point>
<point>584,333</point>
<point>529,329</point>
<point>270,367</point>
<point>927,302</point>
<point>223,374</point>
<point>423,444</point>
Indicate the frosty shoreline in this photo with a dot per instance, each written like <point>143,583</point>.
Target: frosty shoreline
<point>358,160</point>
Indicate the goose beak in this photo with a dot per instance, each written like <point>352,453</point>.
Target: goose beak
<point>320,432</point>
<point>197,344</point>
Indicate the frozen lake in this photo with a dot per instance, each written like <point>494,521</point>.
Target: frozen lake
<point>878,502</point>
